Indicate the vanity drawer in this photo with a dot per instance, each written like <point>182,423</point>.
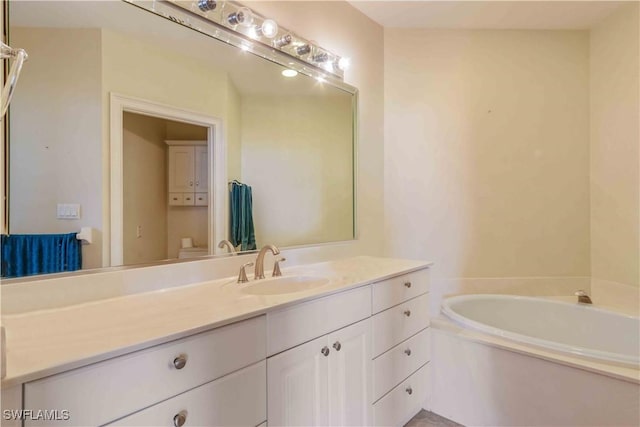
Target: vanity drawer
<point>238,399</point>
<point>399,289</point>
<point>188,199</point>
<point>390,368</point>
<point>202,199</point>
<point>176,199</point>
<point>102,392</point>
<point>398,323</point>
<point>295,325</point>
<point>404,401</point>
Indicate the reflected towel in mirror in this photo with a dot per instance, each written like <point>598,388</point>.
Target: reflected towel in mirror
<point>28,254</point>
<point>242,232</point>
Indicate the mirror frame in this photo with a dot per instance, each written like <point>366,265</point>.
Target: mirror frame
<point>193,22</point>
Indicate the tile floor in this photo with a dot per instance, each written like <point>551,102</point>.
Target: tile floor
<point>429,419</point>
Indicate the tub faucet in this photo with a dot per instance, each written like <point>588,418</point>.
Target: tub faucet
<point>259,273</point>
<point>228,244</point>
<point>583,297</point>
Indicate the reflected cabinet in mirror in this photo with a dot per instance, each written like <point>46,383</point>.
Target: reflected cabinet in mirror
<point>163,142</point>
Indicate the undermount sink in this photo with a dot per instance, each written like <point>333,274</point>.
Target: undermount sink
<point>284,285</point>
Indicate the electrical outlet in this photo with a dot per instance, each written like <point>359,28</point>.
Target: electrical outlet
<point>139,231</point>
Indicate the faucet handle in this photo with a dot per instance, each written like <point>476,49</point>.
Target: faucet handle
<point>276,267</point>
<point>242,275</point>
<point>583,297</point>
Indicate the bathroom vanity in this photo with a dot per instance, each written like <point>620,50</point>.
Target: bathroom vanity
<point>353,349</point>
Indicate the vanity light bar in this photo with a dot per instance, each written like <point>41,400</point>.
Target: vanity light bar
<point>256,32</point>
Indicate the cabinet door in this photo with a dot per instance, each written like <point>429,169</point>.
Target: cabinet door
<point>202,168</point>
<point>181,169</point>
<point>350,375</point>
<point>297,383</point>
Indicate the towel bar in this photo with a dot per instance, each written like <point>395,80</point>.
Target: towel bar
<point>86,234</point>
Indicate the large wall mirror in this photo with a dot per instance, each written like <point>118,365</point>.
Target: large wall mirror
<point>166,141</point>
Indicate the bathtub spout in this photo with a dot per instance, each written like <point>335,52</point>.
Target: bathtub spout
<point>583,297</point>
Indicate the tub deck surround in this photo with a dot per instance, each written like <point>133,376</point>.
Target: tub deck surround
<point>618,372</point>
<point>46,342</point>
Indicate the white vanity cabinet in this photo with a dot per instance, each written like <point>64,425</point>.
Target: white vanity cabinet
<point>188,173</point>
<point>327,380</point>
<point>106,391</point>
<point>356,357</point>
<point>323,382</point>
<point>400,347</point>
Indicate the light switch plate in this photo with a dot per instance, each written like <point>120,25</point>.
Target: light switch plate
<point>68,211</point>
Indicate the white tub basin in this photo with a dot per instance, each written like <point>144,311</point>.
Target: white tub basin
<point>284,285</point>
<point>572,328</point>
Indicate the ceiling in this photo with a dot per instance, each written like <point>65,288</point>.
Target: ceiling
<point>477,14</point>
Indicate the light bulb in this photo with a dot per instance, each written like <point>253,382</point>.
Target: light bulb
<point>303,50</point>
<point>289,73</point>
<point>207,5</point>
<point>243,17</point>
<point>344,63</point>
<point>320,57</point>
<point>283,41</point>
<point>328,66</point>
<point>269,28</point>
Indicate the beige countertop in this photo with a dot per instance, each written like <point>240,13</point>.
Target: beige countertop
<point>46,342</point>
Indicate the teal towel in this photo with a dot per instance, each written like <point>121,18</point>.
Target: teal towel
<point>242,232</point>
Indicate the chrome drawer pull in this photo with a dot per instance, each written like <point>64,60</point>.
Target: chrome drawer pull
<point>337,345</point>
<point>407,313</point>
<point>180,361</point>
<point>407,284</point>
<point>325,351</point>
<point>408,352</point>
<point>180,418</point>
<point>409,390</point>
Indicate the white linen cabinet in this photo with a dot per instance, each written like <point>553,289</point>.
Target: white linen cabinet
<point>188,173</point>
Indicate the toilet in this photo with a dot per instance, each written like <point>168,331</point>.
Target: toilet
<point>195,252</point>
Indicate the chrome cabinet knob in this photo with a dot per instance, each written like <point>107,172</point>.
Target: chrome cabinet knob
<point>337,345</point>
<point>407,313</point>
<point>180,361</point>
<point>408,352</point>
<point>407,284</point>
<point>409,390</point>
<point>180,418</point>
<point>325,351</point>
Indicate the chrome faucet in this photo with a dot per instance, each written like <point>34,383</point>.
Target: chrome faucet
<point>259,273</point>
<point>583,297</point>
<point>225,243</point>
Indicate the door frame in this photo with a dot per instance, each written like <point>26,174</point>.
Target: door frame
<point>113,221</point>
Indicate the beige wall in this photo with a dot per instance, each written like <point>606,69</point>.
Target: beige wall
<point>297,157</point>
<point>487,151</point>
<point>145,188</point>
<point>56,154</point>
<point>232,131</point>
<point>615,148</point>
